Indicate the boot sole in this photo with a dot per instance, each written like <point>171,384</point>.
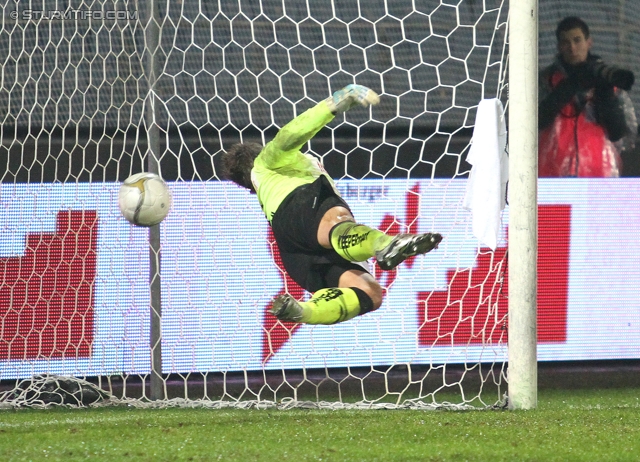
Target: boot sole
<point>422,244</point>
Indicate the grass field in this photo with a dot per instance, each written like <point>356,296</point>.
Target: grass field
<point>581,425</point>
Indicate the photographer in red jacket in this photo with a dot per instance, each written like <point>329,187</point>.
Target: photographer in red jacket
<point>583,110</point>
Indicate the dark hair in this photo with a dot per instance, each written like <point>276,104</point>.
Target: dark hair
<point>237,163</point>
<point>570,23</point>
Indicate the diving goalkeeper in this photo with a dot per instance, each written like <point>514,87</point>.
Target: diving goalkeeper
<point>321,245</point>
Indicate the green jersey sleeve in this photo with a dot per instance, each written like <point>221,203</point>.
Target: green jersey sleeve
<point>281,167</point>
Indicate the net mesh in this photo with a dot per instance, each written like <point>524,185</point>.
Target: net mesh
<point>46,390</point>
<point>83,91</point>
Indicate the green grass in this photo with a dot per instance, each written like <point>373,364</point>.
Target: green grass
<point>567,425</point>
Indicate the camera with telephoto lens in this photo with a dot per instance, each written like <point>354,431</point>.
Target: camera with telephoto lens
<point>616,76</point>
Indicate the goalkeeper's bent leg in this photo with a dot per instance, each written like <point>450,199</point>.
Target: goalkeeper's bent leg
<point>326,306</point>
<point>355,242</point>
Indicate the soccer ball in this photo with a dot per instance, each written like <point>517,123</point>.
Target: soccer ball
<point>144,199</point>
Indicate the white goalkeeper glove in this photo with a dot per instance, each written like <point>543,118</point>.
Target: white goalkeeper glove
<point>351,95</point>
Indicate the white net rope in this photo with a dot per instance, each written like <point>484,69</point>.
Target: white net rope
<point>77,115</point>
<point>48,390</point>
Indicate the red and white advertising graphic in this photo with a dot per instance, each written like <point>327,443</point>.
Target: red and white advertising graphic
<point>46,294</point>
<point>473,308</point>
<point>74,296</point>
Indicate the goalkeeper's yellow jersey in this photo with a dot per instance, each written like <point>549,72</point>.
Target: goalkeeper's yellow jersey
<point>281,167</point>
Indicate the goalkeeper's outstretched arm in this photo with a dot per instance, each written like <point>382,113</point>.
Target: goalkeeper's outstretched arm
<point>238,161</point>
<point>296,133</point>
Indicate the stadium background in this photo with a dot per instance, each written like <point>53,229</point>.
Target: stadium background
<point>70,104</point>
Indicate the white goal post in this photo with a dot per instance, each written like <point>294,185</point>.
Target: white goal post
<point>177,315</point>
<point>523,200</point>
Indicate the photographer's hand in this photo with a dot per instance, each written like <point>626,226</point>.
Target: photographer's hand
<point>622,78</point>
<point>609,109</point>
<point>551,104</point>
<point>612,75</point>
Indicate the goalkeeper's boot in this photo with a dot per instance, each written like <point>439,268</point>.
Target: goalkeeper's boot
<point>404,246</point>
<point>286,308</point>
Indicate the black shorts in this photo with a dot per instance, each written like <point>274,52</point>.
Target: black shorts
<point>295,228</point>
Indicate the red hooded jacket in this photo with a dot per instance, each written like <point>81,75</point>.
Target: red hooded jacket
<point>575,144</point>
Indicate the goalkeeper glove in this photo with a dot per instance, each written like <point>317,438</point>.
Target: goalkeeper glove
<point>351,95</point>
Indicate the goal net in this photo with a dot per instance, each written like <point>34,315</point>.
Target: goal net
<point>101,90</point>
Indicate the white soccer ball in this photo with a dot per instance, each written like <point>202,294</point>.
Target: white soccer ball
<point>144,199</point>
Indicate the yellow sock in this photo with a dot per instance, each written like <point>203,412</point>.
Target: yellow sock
<point>330,306</point>
<point>356,242</point>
